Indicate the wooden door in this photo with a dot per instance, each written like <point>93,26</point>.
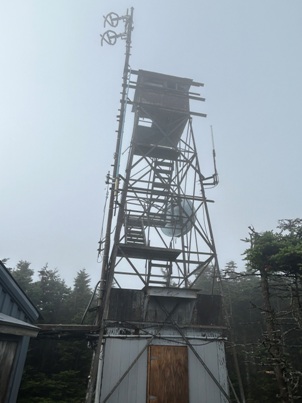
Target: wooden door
<point>168,374</point>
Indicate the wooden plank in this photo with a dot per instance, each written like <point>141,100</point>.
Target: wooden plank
<point>168,374</point>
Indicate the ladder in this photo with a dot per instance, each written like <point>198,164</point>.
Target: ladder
<point>159,273</point>
<point>161,184</point>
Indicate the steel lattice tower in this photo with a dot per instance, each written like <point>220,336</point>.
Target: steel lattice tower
<point>158,242</point>
<point>163,235</point>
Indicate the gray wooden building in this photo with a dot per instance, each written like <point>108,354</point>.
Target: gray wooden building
<point>17,315</point>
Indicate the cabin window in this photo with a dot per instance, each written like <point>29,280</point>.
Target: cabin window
<point>171,85</point>
<point>154,83</point>
<point>145,122</point>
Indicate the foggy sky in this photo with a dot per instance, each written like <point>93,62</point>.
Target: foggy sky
<point>59,99</point>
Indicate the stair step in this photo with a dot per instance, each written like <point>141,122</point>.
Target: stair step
<point>157,282</point>
<point>164,163</point>
<point>161,185</point>
<point>130,232</point>
<point>134,236</point>
<point>162,170</point>
<point>134,233</point>
<point>135,242</point>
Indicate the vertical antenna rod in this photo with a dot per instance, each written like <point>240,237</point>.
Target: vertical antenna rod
<point>110,38</point>
<point>215,176</point>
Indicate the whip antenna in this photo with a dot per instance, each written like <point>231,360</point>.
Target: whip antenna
<point>215,176</point>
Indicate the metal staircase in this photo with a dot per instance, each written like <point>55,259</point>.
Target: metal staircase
<point>161,184</point>
<point>134,231</point>
<point>159,273</point>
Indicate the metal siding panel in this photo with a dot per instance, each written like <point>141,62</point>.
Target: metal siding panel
<point>14,310</point>
<point>223,378</point>
<point>119,354</point>
<point>6,304</point>
<point>1,296</point>
<point>12,288</point>
<point>9,307</point>
<point>21,316</point>
<point>202,387</point>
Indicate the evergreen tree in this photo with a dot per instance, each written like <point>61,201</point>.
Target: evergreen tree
<point>80,296</point>
<point>56,369</point>
<point>23,275</point>
<point>277,258</point>
<point>52,296</point>
<point>263,304</point>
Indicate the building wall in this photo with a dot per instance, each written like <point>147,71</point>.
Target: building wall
<point>14,339</point>
<point>9,393</point>
<point>120,354</point>
<point>9,306</point>
<point>202,387</point>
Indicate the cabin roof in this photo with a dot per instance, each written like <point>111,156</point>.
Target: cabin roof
<point>10,286</point>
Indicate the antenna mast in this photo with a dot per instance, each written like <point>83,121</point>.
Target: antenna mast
<point>110,37</point>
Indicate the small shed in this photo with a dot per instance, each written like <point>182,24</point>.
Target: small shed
<point>163,345</point>
<point>17,315</point>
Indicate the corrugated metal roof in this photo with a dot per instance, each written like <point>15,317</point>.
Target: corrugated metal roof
<point>13,300</point>
<point>10,325</point>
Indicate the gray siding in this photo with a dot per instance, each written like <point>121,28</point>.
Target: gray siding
<point>6,302</point>
<point>13,301</point>
<point>202,387</point>
<point>15,304</point>
<point>9,306</point>
<point>119,354</point>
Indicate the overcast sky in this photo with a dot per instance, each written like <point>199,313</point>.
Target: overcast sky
<point>59,96</point>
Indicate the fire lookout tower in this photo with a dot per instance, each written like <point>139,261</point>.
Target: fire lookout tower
<point>161,339</point>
